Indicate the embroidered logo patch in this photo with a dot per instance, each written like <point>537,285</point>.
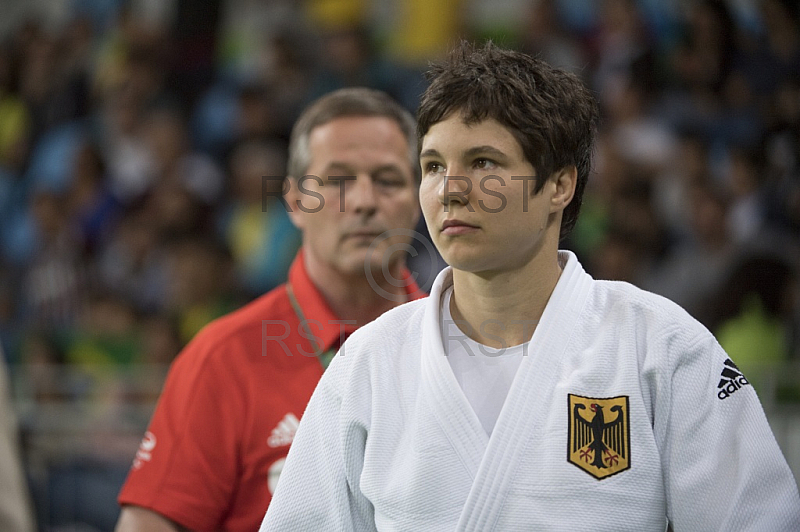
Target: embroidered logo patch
<point>731,380</point>
<point>599,438</point>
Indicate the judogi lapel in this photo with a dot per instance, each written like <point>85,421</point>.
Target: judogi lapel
<point>450,406</point>
<point>491,461</point>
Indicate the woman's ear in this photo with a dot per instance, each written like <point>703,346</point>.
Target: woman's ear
<point>565,181</point>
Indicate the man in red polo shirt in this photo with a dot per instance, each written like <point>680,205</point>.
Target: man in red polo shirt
<point>215,447</point>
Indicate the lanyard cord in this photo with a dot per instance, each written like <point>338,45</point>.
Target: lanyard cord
<point>324,357</point>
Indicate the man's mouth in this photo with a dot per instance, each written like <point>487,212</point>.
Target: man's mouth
<point>366,234</point>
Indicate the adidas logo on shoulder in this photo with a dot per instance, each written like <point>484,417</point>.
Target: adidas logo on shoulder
<point>283,434</point>
<point>731,381</point>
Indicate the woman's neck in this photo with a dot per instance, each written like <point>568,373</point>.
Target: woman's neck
<point>502,309</point>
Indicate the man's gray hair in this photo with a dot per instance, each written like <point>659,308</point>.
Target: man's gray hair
<point>349,102</point>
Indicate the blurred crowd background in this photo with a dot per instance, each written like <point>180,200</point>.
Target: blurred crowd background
<point>135,138</point>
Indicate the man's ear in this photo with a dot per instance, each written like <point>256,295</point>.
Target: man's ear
<point>565,181</point>
<point>291,197</point>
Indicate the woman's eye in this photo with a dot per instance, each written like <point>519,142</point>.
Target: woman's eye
<point>433,168</point>
<point>484,164</point>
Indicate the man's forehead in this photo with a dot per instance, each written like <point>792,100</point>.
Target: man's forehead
<point>357,122</point>
<point>376,135</point>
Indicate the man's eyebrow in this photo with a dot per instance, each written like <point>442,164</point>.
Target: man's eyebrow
<point>338,166</point>
<point>341,170</point>
<point>387,168</point>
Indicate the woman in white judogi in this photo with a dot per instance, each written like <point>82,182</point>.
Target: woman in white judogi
<point>523,394</point>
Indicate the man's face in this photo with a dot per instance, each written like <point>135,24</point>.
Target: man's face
<point>362,186</point>
<point>477,197</point>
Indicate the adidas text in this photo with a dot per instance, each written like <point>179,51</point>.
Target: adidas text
<point>732,386</point>
<point>732,380</point>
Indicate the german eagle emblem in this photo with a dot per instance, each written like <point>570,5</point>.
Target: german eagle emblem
<point>599,435</point>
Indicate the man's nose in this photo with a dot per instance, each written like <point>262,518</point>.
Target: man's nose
<point>362,196</point>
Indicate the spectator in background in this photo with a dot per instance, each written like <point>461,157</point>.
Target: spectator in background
<point>751,314</point>
<point>672,185</point>
<point>133,264</point>
<point>622,50</point>
<point>15,119</point>
<point>782,164</point>
<point>254,224</point>
<point>701,65</point>
<point>100,352</point>
<point>199,285</point>
<point>746,179</point>
<point>694,268</point>
<point>546,36</point>
<point>776,58</point>
<point>172,158</point>
<point>349,59</point>
<point>216,444</point>
<point>92,208</point>
<point>55,276</point>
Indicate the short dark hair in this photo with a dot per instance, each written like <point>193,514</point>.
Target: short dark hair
<point>549,111</point>
<point>352,101</point>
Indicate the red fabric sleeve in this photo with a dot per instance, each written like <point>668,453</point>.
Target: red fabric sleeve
<point>187,464</point>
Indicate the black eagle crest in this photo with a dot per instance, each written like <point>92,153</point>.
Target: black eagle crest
<point>598,433</point>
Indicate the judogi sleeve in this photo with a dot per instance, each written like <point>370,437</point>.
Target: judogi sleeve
<point>319,487</point>
<point>723,469</point>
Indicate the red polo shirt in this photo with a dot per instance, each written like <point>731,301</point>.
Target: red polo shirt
<point>230,406</point>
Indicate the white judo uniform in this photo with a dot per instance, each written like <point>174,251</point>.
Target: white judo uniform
<point>625,412</point>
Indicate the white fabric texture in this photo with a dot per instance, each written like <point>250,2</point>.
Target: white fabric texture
<point>389,442</point>
<point>483,373</point>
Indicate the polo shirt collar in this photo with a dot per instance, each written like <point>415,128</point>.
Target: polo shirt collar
<point>323,324</point>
